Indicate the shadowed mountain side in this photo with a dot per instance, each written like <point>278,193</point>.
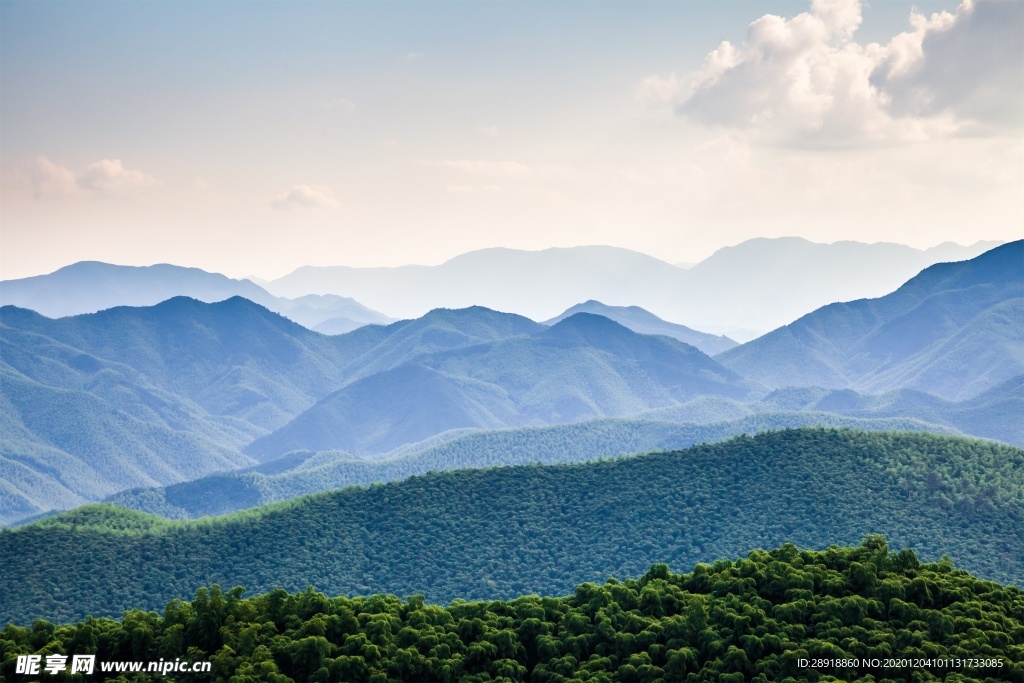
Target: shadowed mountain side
<point>301,472</point>
<point>645,322</point>
<point>62,447</point>
<point>584,367</point>
<point>388,409</point>
<point>953,330</point>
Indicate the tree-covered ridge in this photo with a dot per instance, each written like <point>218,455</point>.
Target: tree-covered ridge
<point>302,472</point>
<point>753,619</point>
<point>502,532</point>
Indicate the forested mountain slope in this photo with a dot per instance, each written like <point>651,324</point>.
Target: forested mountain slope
<point>754,619</point>
<point>585,366</point>
<point>955,330</point>
<point>498,533</point>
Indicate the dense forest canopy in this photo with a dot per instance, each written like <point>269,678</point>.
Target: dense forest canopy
<point>780,615</point>
<point>502,532</point>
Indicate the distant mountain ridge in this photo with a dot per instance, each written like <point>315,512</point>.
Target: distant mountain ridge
<point>740,291</point>
<point>645,322</point>
<point>91,286</point>
<point>955,330</point>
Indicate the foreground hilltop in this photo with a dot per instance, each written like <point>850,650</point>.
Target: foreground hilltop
<point>502,532</point>
<point>780,615</point>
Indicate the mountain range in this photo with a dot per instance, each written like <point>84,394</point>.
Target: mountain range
<point>91,286</point>
<point>740,291</point>
<point>144,397</point>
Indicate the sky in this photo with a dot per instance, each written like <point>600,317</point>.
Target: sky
<point>254,138</point>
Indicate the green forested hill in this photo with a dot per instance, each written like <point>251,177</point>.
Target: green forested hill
<point>303,472</point>
<point>772,616</point>
<point>502,532</point>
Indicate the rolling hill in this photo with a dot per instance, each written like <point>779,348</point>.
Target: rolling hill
<point>955,330</point>
<point>501,532</point>
<point>302,472</point>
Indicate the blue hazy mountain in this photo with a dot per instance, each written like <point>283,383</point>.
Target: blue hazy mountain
<point>955,329</point>
<point>645,322</point>
<point>91,286</point>
<point>143,396</point>
<point>995,414</point>
<point>584,367</point>
<point>741,291</point>
<point>77,428</point>
<point>233,358</point>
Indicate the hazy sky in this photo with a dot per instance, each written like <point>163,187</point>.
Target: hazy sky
<point>252,138</point>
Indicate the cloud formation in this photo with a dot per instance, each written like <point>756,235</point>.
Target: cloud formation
<point>806,81</point>
<point>305,196</point>
<point>111,175</point>
<point>50,179</point>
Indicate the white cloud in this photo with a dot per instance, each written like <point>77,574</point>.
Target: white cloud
<point>411,57</point>
<point>107,175</point>
<point>504,169</point>
<point>970,64</point>
<point>655,90</point>
<point>305,196</point>
<point>489,131</point>
<point>805,81</point>
<point>111,175</point>
<point>200,184</point>
<point>49,179</point>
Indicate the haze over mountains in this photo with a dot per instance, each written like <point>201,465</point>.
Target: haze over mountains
<point>91,286</point>
<point>740,291</point>
<point>142,397</point>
